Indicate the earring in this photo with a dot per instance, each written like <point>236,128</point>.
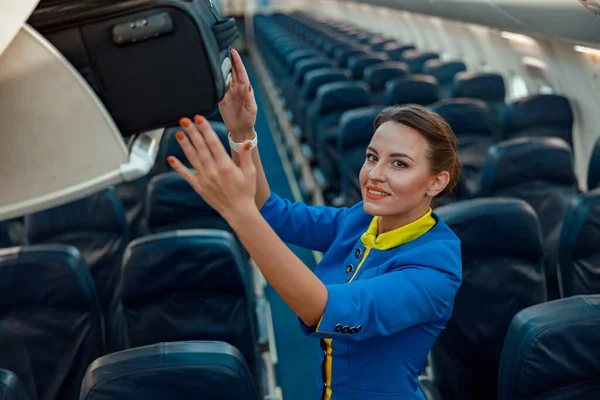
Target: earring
<point>429,194</point>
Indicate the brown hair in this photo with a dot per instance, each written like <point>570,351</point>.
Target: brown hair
<point>441,140</point>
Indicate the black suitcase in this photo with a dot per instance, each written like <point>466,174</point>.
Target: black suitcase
<point>149,61</point>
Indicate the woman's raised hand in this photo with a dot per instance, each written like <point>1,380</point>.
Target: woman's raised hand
<point>227,188</point>
<point>238,107</point>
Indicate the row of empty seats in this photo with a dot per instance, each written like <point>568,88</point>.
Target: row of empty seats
<point>528,233</point>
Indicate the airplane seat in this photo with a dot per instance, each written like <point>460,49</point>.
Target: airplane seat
<point>470,122</point>
<point>488,87</point>
<point>396,50</point>
<point>579,252</point>
<point>343,55</point>
<point>593,179</point>
<point>379,44</point>
<point>189,285</point>
<point>133,198</point>
<point>444,72</point>
<point>358,63</point>
<point>11,387</point>
<point>97,226</point>
<point>4,236</point>
<point>416,59</point>
<point>540,115</point>
<point>356,130</point>
<point>412,89</point>
<point>313,80</point>
<point>332,100</point>
<point>51,325</point>
<point>502,274</point>
<point>378,75</point>
<point>292,89</point>
<point>540,171</point>
<point>296,56</point>
<point>181,370</point>
<point>552,351</point>
<point>169,146</point>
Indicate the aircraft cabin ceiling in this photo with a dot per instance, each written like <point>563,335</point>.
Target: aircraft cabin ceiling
<point>573,20</point>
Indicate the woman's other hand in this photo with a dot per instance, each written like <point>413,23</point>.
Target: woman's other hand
<point>227,188</point>
<point>238,107</point>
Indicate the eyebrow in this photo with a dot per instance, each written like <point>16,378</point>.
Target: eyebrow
<point>402,155</point>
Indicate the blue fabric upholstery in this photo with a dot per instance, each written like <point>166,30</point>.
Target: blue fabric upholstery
<point>343,55</point>
<point>540,171</point>
<point>552,351</point>
<point>357,64</point>
<point>502,274</point>
<point>188,285</point>
<point>356,131</point>
<point>416,59</point>
<point>182,370</point>
<point>50,320</point>
<point>470,121</point>
<point>593,180</point>
<point>97,226</point>
<point>579,252</point>
<point>396,50</point>
<point>540,115</point>
<point>11,387</point>
<point>444,72</point>
<point>378,75</point>
<point>412,89</point>
<point>173,204</point>
<point>292,87</point>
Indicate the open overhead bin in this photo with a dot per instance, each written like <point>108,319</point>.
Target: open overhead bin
<point>58,143</point>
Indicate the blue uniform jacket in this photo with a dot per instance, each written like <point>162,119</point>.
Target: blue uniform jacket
<point>382,314</point>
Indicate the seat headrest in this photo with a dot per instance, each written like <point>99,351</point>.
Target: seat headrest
<point>68,283</point>
<point>594,168</point>
<point>397,50</point>
<point>412,89</point>
<point>358,63</point>
<point>479,85</point>
<point>308,64</point>
<point>415,59</point>
<point>297,55</point>
<point>356,127</point>
<point>465,116</point>
<point>102,211</point>
<point>540,115</point>
<point>11,387</point>
<point>550,351</point>
<point>518,161</point>
<point>495,227</point>
<point>444,71</point>
<point>145,257</point>
<point>158,371</point>
<point>318,77</point>
<point>341,96</point>
<point>378,75</point>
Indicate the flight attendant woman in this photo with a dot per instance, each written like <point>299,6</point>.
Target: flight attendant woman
<point>385,287</point>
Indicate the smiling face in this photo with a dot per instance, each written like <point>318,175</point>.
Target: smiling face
<point>396,176</point>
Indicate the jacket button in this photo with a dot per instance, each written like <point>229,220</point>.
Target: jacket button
<point>339,327</point>
<point>357,253</point>
<point>349,269</point>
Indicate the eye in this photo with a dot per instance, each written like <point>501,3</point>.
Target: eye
<point>371,158</point>
<point>399,164</point>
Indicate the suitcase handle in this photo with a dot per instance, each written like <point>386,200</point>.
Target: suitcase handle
<point>143,29</point>
<point>225,32</point>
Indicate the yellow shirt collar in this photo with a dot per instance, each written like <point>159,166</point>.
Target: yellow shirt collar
<point>398,236</point>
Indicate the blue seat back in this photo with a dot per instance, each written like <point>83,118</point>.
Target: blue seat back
<point>314,79</point>
<point>540,171</point>
<point>340,96</point>
<point>579,252</point>
<point>593,180</point>
<point>51,324</point>
<point>552,351</point>
<point>412,89</point>
<point>444,72</point>
<point>97,226</point>
<point>378,75</point>
<point>358,63</point>
<point>308,64</point>
<point>206,294</point>
<point>182,370</point>
<point>396,50</point>
<point>11,387</point>
<point>540,115</point>
<point>356,131</point>
<point>296,56</point>
<point>416,59</point>
<point>502,274</point>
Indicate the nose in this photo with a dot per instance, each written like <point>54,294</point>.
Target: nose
<point>377,173</point>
